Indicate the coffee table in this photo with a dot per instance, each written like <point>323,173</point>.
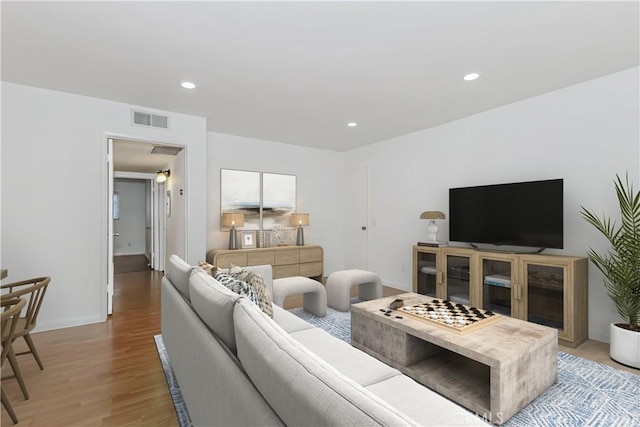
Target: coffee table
<point>494,371</point>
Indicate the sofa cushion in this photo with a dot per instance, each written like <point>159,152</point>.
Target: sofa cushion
<point>214,304</point>
<point>257,283</point>
<point>349,361</point>
<point>412,399</point>
<point>301,388</point>
<point>289,321</point>
<point>178,273</point>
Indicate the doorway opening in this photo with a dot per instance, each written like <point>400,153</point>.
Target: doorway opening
<point>138,207</point>
<point>134,228</point>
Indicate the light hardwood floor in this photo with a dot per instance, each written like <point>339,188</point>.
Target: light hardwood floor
<point>130,263</point>
<point>109,373</point>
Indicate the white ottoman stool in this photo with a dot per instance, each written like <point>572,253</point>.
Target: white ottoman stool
<point>339,286</point>
<point>314,295</point>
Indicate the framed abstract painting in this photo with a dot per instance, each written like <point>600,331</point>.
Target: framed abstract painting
<point>278,199</point>
<point>240,193</point>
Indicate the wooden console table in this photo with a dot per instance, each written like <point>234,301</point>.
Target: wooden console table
<point>494,371</point>
<point>287,261</point>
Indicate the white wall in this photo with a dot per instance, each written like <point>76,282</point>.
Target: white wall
<point>130,226</point>
<point>175,232</point>
<point>54,193</point>
<point>319,182</point>
<point>585,134</point>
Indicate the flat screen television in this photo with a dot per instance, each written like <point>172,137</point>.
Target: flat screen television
<point>515,214</point>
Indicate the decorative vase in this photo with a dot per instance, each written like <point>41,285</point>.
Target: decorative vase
<point>624,346</point>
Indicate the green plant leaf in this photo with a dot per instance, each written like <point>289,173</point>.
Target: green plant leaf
<point>620,266</point>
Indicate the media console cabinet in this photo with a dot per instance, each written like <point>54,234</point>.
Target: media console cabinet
<point>287,261</point>
<point>551,290</point>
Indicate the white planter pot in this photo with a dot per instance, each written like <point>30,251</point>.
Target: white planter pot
<point>624,346</point>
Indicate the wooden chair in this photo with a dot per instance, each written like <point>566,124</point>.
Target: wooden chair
<point>10,316</point>
<point>33,290</point>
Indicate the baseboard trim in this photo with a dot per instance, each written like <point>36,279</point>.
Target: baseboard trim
<point>68,323</point>
<point>396,285</point>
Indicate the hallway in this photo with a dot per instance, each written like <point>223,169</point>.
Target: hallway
<point>130,264</point>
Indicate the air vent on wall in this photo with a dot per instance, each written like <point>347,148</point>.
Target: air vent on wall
<point>148,119</point>
<point>165,149</point>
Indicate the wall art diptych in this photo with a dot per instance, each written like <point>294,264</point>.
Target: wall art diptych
<point>266,199</point>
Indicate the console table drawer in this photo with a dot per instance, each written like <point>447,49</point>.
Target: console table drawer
<point>287,256</point>
<point>311,269</point>
<point>261,258</point>
<point>287,261</point>
<point>280,271</point>
<point>311,255</point>
<point>224,261</point>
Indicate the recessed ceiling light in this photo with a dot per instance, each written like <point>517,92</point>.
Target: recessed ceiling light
<point>352,124</point>
<point>471,76</point>
<point>188,85</point>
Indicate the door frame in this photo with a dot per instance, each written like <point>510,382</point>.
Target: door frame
<point>106,269</point>
<point>108,304</point>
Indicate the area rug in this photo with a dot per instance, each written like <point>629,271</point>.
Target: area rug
<point>586,393</point>
<point>174,389</point>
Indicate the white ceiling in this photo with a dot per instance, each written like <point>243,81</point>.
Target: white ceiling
<point>297,72</point>
<point>135,156</point>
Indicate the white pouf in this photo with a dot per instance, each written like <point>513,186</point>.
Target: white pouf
<point>314,295</point>
<point>339,286</point>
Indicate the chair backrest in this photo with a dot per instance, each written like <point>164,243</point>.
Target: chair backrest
<point>33,290</point>
<point>10,315</point>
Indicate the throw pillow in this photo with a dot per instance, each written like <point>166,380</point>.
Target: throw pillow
<point>237,286</point>
<point>257,283</point>
<point>208,268</point>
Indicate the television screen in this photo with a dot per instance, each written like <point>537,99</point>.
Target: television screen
<point>517,214</point>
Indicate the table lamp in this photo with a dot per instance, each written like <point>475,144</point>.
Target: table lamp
<point>233,219</point>
<point>300,219</point>
<point>432,227</point>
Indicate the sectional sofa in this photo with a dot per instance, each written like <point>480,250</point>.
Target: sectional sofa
<point>238,367</point>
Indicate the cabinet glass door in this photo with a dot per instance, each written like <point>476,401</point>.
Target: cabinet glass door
<point>545,295</point>
<point>496,286</point>
<point>427,274</point>
<point>458,289</point>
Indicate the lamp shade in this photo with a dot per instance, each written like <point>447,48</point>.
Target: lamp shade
<point>432,215</point>
<point>232,219</point>
<point>300,219</point>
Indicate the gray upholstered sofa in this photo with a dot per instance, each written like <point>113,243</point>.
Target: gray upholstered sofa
<point>238,367</point>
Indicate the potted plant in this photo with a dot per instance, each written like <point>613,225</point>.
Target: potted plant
<point>620,267</point>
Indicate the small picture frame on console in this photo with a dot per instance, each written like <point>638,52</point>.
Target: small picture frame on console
<point>248,239</point>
